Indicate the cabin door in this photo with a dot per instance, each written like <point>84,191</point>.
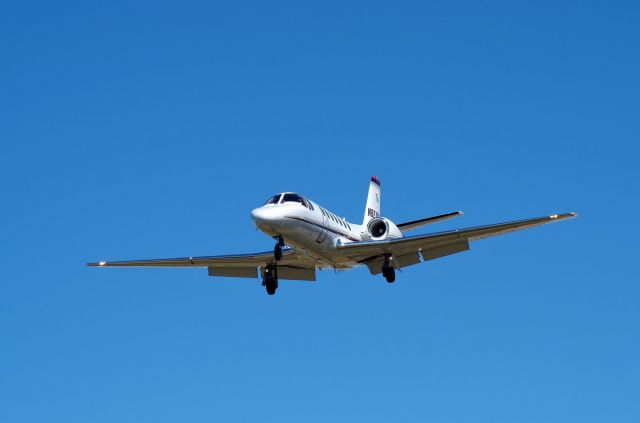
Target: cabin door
<point>323,230</point>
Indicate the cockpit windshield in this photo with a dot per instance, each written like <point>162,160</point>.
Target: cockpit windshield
<point>273,200</point>
<point>289,197</point>
<point>292,198</point>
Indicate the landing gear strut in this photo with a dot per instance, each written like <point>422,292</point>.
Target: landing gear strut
<point>270,275</point>
<point>388,271</point>
<point>270,279</point>
<point>277,250</point>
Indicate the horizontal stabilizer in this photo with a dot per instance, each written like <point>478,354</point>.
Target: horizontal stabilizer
<point>407,226</point>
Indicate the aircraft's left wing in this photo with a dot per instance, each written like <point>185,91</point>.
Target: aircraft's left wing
<point>292,265</point>
<point>407,251</point>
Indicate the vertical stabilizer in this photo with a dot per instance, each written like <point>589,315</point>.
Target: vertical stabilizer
<point>372,210</point>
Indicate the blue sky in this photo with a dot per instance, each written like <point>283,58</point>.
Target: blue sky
<point>139,130</point>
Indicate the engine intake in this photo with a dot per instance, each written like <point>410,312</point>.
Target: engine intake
<point>378,228</point>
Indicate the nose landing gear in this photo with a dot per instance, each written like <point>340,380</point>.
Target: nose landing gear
<point>270,273</point>
<point>277,250</point>
<point>388,271</point>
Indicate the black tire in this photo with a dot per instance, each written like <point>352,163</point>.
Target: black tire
<point>390,275</point>
<point>271,286</point>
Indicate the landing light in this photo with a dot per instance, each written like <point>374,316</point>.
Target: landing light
<point>102,263</point>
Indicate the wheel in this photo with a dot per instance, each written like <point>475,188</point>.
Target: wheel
<point>271,284</point>
<point>271,288</point>
<point>277,252</point>
<point>390,275</point>
<point>270,279</point>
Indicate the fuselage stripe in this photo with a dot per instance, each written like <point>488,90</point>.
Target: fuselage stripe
<point>350,237</point>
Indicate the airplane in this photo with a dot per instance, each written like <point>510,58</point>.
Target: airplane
<point>309,237</point>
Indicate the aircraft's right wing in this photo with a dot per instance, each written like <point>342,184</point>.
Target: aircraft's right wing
<point>406,251</point>
<point>292,266</point>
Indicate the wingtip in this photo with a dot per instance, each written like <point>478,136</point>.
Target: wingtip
<point>97,264</point>
<point>569,215</point>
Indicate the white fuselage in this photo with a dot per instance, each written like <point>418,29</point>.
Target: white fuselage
<point>314,231</point>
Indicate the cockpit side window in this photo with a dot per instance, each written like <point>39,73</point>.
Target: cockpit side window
<point>273,200</point>
<point>305,202</point>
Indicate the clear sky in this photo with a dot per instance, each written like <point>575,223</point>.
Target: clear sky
<point>150,129</point>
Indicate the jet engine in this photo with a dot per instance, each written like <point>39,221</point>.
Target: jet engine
<point>378,228</point>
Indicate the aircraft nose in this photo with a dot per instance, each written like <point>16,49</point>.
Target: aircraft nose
<point>265,219</point>
<point>260,215</point>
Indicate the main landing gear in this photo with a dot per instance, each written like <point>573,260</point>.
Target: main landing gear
<point>270,279</point>
<point>388,271</point>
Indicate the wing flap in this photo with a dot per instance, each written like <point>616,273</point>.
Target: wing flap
<point>296,273</point>
<point>444,250</point>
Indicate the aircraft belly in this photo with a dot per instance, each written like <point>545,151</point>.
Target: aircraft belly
<point>303,235</point>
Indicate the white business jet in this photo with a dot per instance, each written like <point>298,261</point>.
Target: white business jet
<point>310,237</point>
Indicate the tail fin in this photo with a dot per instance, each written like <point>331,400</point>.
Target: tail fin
<point>372,210</point>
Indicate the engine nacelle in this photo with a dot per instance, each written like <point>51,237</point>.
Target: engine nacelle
<point>378,228</point>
